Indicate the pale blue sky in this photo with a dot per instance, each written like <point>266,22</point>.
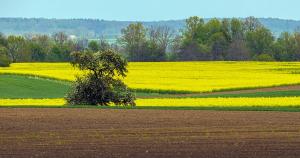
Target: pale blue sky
<point>148,10</point>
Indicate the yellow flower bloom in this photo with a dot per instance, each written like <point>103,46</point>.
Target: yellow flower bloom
<point>222,102</point>
<point>183,76</point>
<point>185,102</point>
<point>32,102</point>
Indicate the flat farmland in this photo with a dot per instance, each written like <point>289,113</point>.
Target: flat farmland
<point>147,133</point>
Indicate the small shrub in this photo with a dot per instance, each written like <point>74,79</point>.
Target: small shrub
<point>264,57</point>
<point>4,61</point>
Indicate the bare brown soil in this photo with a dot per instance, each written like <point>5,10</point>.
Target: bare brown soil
<point>148,133</point>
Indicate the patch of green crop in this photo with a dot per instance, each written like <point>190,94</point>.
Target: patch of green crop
<point>25,87</point>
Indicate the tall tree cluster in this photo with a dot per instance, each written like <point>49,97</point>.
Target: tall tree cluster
<point>145,44</point>
<point>220,39</point>
<point>234,39</point>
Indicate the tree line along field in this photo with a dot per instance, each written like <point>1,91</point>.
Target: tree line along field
<point>200,40</point>
<point>166,84</point>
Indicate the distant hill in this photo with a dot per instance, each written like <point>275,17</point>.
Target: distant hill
<point>91,28</point>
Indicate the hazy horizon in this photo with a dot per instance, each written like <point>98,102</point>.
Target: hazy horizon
<point>111,20</point>
<point>155,10</point>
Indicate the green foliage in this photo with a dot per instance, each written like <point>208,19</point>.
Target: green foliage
<point>219,45</point>
<point>252,24</point>
<point>3,40</point>
<point>37,52</point>
<point>133,40</point>
<point>101,85</point>
<point>94,46</point>
<point>224,39</point>
<point>60,38</point>
<point>264,57</point>
<point>287,47</point>
<point>38,48</point>
<point>143,44</point>
<point>237,29</point>
<point>60,53</point>
<point>194,45</point>
<point>201,39</point>
<point>4,60</point>
<point>260,41</point>
<point>207,41</point>
<point>104,45</point>
<point>16,48</point>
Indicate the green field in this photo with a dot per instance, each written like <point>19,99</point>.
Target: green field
<point>17,86</point>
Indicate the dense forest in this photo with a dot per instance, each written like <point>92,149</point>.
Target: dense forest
<point>217,39</point>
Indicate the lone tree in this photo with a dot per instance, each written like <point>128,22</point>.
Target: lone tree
<point>101,84</point>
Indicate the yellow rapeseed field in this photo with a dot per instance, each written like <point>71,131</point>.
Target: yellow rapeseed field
<point>185,102</point>
<point>32,102</point>
<point>221,102</point>
<point>183,76</point>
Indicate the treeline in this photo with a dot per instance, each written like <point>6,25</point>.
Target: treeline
<point>235,40</point>
<point>37,48</point>
<point>226,39</point>
<point>217,39</point>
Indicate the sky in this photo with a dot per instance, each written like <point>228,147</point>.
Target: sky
<point>149,10</point>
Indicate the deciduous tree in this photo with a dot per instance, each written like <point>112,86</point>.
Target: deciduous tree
<point>101,85</point>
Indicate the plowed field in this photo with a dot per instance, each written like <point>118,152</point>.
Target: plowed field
<point>147,133</point>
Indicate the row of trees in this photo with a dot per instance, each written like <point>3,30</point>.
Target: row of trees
<point>226,39</point>
<point>216,39</point>
<point>235,40</point>
<point>37,48</point>
<point>44,48</point>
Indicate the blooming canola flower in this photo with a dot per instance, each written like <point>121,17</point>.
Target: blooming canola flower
<point>182,76</point>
